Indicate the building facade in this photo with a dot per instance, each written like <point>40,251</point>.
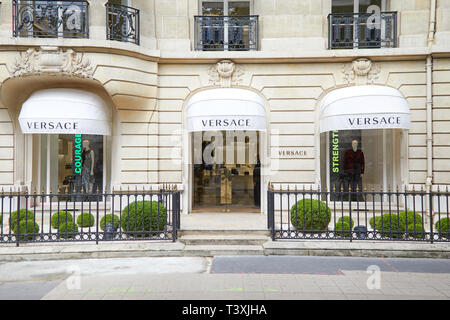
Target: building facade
<point>221,98</point>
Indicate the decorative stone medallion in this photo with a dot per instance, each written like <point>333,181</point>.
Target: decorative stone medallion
<point>51,60</point>
<point>360,71</point>
<point>225,73</point>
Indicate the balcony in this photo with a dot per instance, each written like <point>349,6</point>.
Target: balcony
<point>50,19</point>
<point>362,30</point>
<point>122,23</point>
<point>226,33</point>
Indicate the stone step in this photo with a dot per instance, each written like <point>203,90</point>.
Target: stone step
<point>222,250</point>
<point>223,232</point>
<point>224,239</point>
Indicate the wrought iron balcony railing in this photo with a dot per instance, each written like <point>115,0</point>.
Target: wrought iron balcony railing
<point>50,19</point>
<point>362,30</point>
<point>226,33</point>
<point>122,23</point>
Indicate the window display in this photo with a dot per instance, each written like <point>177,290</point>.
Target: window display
<point>88,163</point>
<point>360,160</point>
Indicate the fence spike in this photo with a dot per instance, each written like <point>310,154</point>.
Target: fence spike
<point>438,189</point>
<point>446,188</point>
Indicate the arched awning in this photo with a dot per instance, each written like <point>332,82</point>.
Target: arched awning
<point>364,107</point>
<point>65,111</point>
<point>225,109</point>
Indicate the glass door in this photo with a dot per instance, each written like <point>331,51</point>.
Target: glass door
<point>227,172</point>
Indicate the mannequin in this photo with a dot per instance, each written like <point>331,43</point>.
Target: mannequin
<point>354,166</point>
<point>87,168</point>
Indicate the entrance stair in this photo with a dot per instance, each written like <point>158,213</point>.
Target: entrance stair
<point>210,234</point>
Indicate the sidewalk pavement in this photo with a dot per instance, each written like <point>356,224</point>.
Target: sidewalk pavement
<point>204,286</point>
<point>123,249</point>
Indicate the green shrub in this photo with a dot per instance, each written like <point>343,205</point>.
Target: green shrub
<point>373,222</point>
<point>388,225</point>
<point>144,216</point>
<point>27,226</point>
<point>108,219</point>
<point>415,230</point>
<point>68,229</point>
<point>347,220</point>
<point>24,214</point>
<point>407,218</point>
<point>86,219</point>
<point>310,214</point>
<point>342,229</point>
<point>61,217</point>
<point>443,227</point>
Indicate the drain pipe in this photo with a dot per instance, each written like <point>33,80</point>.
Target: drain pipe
<point>429,112</point>
<point>432,26</point>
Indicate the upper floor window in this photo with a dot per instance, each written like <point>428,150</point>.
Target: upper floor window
<point>50,19</point>
<point>123,22</point>
<point>361,24</point>
<point>226,26</point>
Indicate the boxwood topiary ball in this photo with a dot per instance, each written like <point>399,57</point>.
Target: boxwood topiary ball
<point>24,214</point>
<point>347,220</point>
<point>415,230</point>
<point>310,215</point>
<point>28,229</point>
<point>389,225</point>
<point>86,219</point>
<point>409,217</point>
<point>109,219</point>
<point>342,229</point>
<point>68,229</point>
<point>443,227</point>
<point>61,217</point>
<point>144,216</point>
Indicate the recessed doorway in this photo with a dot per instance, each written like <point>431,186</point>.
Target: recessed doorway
<point>226,171</point>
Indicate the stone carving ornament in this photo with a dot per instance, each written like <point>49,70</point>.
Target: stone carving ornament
<point>51,60</point>
<point>360,71</point>
<point>225,73</point>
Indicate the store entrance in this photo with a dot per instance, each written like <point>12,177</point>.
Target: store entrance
<point>226,171</point>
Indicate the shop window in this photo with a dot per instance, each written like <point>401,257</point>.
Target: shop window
<point>359,160</point>
<point>71,163</point>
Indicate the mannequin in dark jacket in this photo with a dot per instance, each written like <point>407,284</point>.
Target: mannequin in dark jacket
<point>354,166</point>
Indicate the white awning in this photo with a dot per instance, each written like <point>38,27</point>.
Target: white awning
<point>66,111</point>
<point>364,107</point>
<point>225,109</point>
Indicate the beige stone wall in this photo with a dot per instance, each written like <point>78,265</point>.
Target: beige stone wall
<point>132,84</point>
<point>293,92</point>
<point>6,148</point>
<point>441,121</point>
<point>293,25</point>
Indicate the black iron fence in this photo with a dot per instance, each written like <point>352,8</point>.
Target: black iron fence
<point>362,30</point>
<point>122,23</point>
<point>414,215</point>
<point>102,216</point>
<point>226,33</point>
<point>50,19</point>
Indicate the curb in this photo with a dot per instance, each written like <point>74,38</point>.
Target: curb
<point>178,249</point>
